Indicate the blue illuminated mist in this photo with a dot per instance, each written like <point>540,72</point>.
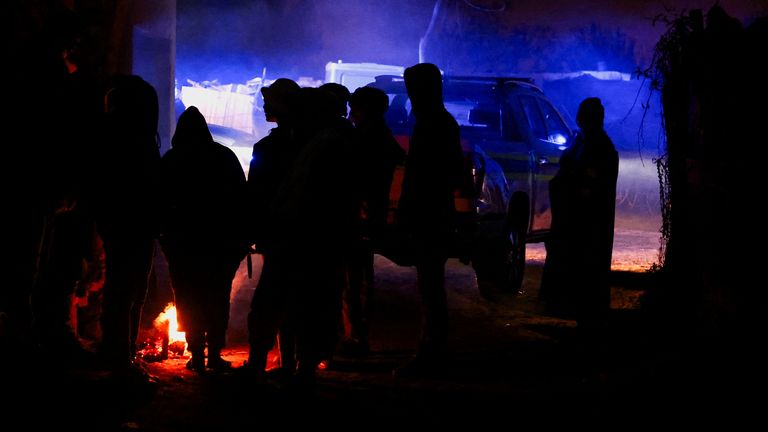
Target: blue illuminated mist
<point>234,40</point>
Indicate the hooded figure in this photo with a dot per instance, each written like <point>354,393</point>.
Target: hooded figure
<point>426,212</point>
<point>202,233</point>
<point>434,162</point>
<point>583,196</point>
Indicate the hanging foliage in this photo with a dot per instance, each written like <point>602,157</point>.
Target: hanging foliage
<point>663,74</point>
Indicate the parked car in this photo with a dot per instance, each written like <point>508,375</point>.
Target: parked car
<point>513,137</point>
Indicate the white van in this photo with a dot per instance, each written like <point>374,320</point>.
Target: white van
<point>355,75</point>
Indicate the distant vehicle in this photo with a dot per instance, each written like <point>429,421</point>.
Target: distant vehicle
<point>513,137</point>
<point>354,75</point>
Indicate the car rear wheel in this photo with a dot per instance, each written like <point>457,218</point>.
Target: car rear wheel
<point>516,229</point>
<point>499,258</point>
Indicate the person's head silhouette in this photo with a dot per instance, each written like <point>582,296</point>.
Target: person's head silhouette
<point>339,96</point>
<point>368,104</point>
<point>191,130</point>
<point>591,114</point>
<point>279,99</point>
<point>424,83</point>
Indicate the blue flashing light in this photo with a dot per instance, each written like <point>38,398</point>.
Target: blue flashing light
<point>558,139</point>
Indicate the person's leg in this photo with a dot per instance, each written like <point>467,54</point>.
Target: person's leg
<point>430,275</point>
<point>318,306</point>
<point>128,266</point>
<point>368,293</point>
<point>143,259</point>
<point>191,306</point>
<point>60,268</point>
<point>195,337</point>
<point>218,319</point>
<point>355,293</point>
<point>287,341</point>
<point>268,311</point>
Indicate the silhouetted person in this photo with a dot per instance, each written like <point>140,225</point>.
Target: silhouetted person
<point>583,195</point>
<point>32,167</point>
<point>337,98</point>
<point>379,154</point>
<point>315,210</point>
<point>126,209</point>
<point>203,233</point>
<point>68,237</point>
<point>340,96</point>
<point>433,172</point>
<point>273,159</point>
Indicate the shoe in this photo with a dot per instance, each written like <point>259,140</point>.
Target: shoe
<point>219,364</point>
<point>196,364</point>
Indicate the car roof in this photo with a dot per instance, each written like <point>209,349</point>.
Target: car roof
<point>396,83</point>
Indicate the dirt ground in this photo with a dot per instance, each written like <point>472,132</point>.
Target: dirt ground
<point>501,357</point>
<point>512,364</point>
<point>502,354</point>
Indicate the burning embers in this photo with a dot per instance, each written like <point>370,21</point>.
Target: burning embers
<point>164,340</point>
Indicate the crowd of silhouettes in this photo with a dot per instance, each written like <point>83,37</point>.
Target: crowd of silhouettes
<point>315,205</point>
<point>311,221</point>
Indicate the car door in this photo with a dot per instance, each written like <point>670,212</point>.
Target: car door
<point>493,129</point>
<point>549,136</point>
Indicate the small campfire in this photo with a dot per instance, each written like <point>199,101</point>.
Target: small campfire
<point>164,340</point>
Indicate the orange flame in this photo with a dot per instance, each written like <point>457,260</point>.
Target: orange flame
<point>169,315</point>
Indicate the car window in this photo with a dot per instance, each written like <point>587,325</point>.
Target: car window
<point>557,131</point>
<point>475,108</point>
<point>480,115</point>
<point>534,117</point>
<point>399,117</point>
<point>511,127</point>
<point>475,120</point>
